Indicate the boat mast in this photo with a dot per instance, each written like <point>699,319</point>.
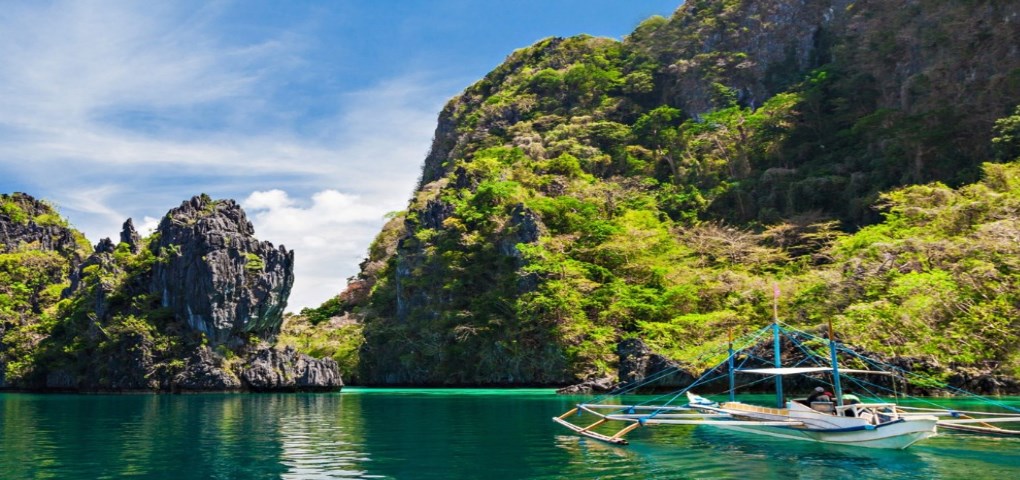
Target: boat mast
<point>732,394</point>
<point>835,367</point>
<point>775,346</point>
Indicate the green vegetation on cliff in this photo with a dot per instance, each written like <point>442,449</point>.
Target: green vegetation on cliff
<point>589,190</point>
<point>108,332</point>
<point>38,252</point>
<point>195,306</point>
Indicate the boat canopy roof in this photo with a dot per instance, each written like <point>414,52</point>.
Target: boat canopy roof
<point>801,370</point>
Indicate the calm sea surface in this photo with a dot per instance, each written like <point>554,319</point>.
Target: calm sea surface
<point>423,434</point>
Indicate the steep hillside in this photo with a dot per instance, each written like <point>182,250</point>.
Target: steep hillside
<point>38,252</point>
<point>589,191</point>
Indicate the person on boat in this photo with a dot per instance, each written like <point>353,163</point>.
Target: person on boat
<point>819,395</point>
<point>849,399</point>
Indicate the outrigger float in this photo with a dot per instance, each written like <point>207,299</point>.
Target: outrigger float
<point>841,420</point>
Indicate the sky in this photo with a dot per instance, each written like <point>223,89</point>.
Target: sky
<point>315,115</point>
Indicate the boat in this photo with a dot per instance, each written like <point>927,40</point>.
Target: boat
<point>873,425</point>
<point>841,420</point>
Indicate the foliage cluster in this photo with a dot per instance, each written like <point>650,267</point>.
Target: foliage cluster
<point>34,272</point>
<point>339,339</point>
<point>109,325</point>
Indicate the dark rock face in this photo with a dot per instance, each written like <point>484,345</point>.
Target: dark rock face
<point>101,258</point>
<point>524,227</point>
<point>129,236</point>
<point>105,246</point>
<point>61,380</point>
<point>269,369</point>
<point>638,362</point>
<point>216,275</point>
<point>600,385</point>
<point>984,381</point>
<point>443,142</point>
<point>203,372</point>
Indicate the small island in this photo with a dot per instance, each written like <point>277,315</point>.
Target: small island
<point>195,307</point>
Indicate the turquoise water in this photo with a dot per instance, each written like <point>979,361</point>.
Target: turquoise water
<point>423,434</point>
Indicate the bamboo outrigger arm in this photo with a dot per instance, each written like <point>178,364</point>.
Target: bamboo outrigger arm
<point>976,422</point>
<point>980,425</point>
<point>617,438</point>
<point>636,420</point>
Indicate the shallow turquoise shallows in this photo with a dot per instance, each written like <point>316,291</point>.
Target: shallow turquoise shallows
<point>424,434</point>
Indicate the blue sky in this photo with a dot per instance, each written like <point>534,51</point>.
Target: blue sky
<point>316,116</point>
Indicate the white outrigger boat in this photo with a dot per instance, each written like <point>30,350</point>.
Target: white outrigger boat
<point>873,425</point>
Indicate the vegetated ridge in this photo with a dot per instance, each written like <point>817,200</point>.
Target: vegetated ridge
<point>590,191</point>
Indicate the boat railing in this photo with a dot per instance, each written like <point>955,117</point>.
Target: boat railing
<point>874,413</point>
<point>754,408</point>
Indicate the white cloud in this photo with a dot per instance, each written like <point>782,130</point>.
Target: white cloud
<point>124,109</point>
<point>330,236</point>
<point>148,225</point>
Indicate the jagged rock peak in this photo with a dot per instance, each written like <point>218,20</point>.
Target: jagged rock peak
<point>212,272</point>
<point>105,245</point>
<point>130,236</point>
<point>206,214</point>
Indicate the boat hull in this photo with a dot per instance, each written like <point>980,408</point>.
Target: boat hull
<point>897,435</point>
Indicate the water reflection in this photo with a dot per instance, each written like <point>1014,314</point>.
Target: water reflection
<point>422,435</point>
<point>317,440</point>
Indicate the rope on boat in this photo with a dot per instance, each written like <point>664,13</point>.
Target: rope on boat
<point>904,374</point>
<point>798,339</point>
<point>747,341</point>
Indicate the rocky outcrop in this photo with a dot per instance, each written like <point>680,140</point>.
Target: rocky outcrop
<point>213,273</point>
<point>205,372</point>
<point>181,311</point>
<point>443,142</point>
<point>265,369</point>
<point>524,226</point>
<point>130,237</point>
<point>27,221</point>
<point>269,369</point>
<point>98,266</point>
<point>985,381</point>
<point>637,364</point>
<point>599,385</point>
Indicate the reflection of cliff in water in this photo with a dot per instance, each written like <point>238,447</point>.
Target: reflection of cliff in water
<point>322,436</point>
<point>174,437</point>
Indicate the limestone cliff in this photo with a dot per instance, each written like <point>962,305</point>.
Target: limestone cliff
<point>196,306</point>
<point>38,250</point>
<point>216,275</point>
<point>589,191</point>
